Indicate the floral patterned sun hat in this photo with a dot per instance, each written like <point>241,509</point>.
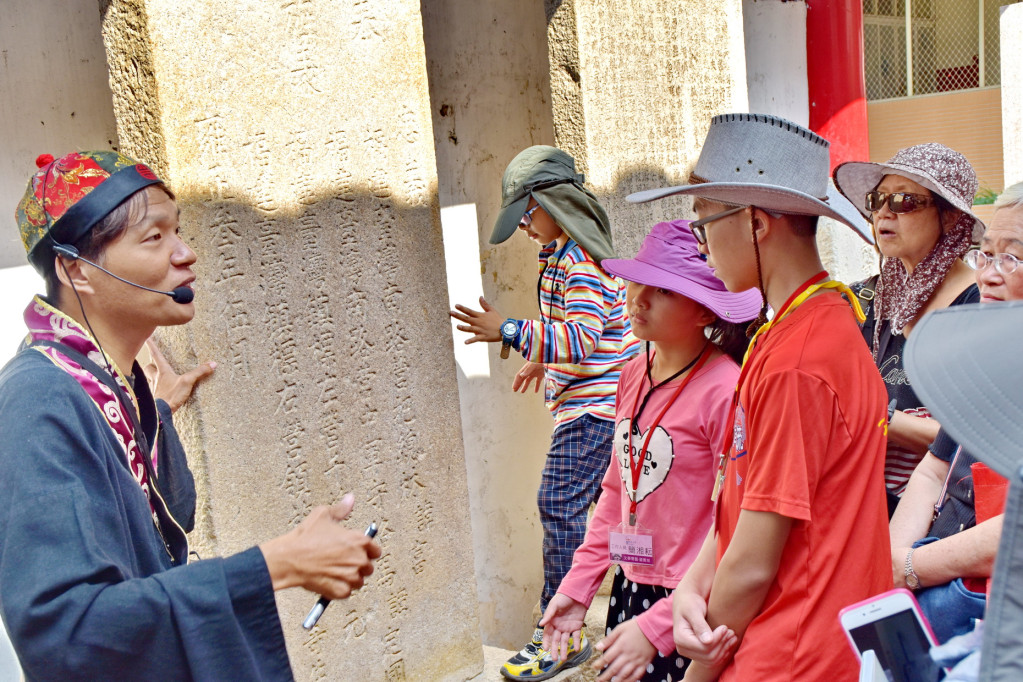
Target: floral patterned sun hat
<point>943,171</point>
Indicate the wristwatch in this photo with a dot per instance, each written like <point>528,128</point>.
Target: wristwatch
<point>912,580</point>
<point>509,330</point>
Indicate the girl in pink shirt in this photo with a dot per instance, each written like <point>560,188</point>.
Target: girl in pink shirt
<point>671,409</point>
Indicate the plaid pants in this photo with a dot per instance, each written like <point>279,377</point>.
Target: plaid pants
<point>579,456</point>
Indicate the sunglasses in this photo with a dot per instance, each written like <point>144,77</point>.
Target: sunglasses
<point>527,217</point>
<point>699,227</point>
<point>898,202</point>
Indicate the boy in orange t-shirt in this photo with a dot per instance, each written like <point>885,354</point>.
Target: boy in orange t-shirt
<point>801,525</point>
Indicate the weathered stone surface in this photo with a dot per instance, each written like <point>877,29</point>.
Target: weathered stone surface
<point>297,135</point>
<point>491,99</point>
<point>634,85</point>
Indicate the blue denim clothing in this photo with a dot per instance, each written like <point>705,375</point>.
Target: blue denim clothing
<point>580,454</point>
<point>950,608</point>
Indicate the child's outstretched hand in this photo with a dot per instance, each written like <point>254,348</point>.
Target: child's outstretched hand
<point>562,622</point>
<point>530,371</point>
<point>626,653</point>
<point>484,325</point>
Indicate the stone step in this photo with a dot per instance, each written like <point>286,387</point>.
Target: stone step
<point>494,657</point>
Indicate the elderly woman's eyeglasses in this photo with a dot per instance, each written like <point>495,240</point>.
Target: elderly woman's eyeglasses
<point>699,227</point>
<point>527,217</point>
<point>898,202</point>
<point>1005,263</point>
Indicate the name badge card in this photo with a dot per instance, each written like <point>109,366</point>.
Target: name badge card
<point>631,545</point>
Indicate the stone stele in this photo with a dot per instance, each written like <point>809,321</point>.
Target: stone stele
<point>297,136</point>
<point>634,85</point>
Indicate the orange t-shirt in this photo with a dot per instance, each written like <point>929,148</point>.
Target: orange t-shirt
<point>809,444</point>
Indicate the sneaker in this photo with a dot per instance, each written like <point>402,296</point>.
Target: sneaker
<point>535,663</point>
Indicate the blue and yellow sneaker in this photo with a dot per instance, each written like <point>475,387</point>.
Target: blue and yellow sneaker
<point>535,663</point>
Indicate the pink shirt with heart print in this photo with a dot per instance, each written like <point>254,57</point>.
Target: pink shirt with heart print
<point>674,488</point>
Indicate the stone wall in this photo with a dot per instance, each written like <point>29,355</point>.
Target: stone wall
<point>634,86</point>
<point>297,136</point>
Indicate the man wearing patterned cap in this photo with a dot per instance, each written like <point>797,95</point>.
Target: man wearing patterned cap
<point>801,524</point>
<point>94,486</point>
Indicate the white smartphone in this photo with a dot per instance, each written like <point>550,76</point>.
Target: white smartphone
<point>892,626</point>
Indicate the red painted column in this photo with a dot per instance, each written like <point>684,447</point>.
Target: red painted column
<point>834,73</point>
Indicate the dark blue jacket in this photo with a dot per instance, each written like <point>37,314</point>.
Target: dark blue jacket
<point>88,589</point>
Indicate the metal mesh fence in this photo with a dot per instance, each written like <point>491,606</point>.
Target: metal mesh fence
<point>952,45</point>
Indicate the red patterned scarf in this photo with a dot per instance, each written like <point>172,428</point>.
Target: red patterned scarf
<point>901,296</point>
<point>46,323</point>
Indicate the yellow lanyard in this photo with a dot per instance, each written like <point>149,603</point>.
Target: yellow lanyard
<point>807,290</point>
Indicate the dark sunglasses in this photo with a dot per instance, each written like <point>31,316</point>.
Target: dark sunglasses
<point>898,202</point>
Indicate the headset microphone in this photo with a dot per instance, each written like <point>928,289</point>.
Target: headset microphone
<point>178,295</point>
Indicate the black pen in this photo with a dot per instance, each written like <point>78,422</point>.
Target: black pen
<point>320,606</point>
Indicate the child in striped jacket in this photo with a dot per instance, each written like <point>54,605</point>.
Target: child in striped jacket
<point>578,346</point>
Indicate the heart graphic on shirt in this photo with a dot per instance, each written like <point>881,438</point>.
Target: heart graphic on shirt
<point>657,460</point>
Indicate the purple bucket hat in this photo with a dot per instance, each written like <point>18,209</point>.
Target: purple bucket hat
<point>670,258</point>
<point>943,171</point>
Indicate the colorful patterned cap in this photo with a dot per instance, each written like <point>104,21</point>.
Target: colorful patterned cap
<point>67,197</point>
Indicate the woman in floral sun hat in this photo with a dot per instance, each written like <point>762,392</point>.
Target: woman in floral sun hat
<point>920,205</point>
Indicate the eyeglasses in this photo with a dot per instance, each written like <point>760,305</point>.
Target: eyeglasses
<point>1005,263</point>
<point>527,217</point>
<point>699,227</point>
<point>898,202</point>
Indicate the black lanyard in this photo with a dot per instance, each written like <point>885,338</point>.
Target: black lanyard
<point>539,286</point>
<point>654,387</point>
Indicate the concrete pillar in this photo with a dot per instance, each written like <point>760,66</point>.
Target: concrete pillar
<point>634,86</point>
<point>56,96</point>
<point>838,99</point>
<point>775,41</point>
<point>490,99</point>
<point>780,54</point>
<point>1011,23</point>
<point>838,112</point>
<point>297,135</point>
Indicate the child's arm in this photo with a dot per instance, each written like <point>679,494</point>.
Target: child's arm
<point>743,578</point>
<point>591,560</point>
<point>564,615</point>
<point>693,637</point>
<point>589,296</point>
<point>656,625</point>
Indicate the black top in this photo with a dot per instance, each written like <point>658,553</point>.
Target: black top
<point>899,463</point>
<point>890,362</point>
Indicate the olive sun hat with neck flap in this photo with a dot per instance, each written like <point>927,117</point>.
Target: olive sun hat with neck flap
<point>548,175</point>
